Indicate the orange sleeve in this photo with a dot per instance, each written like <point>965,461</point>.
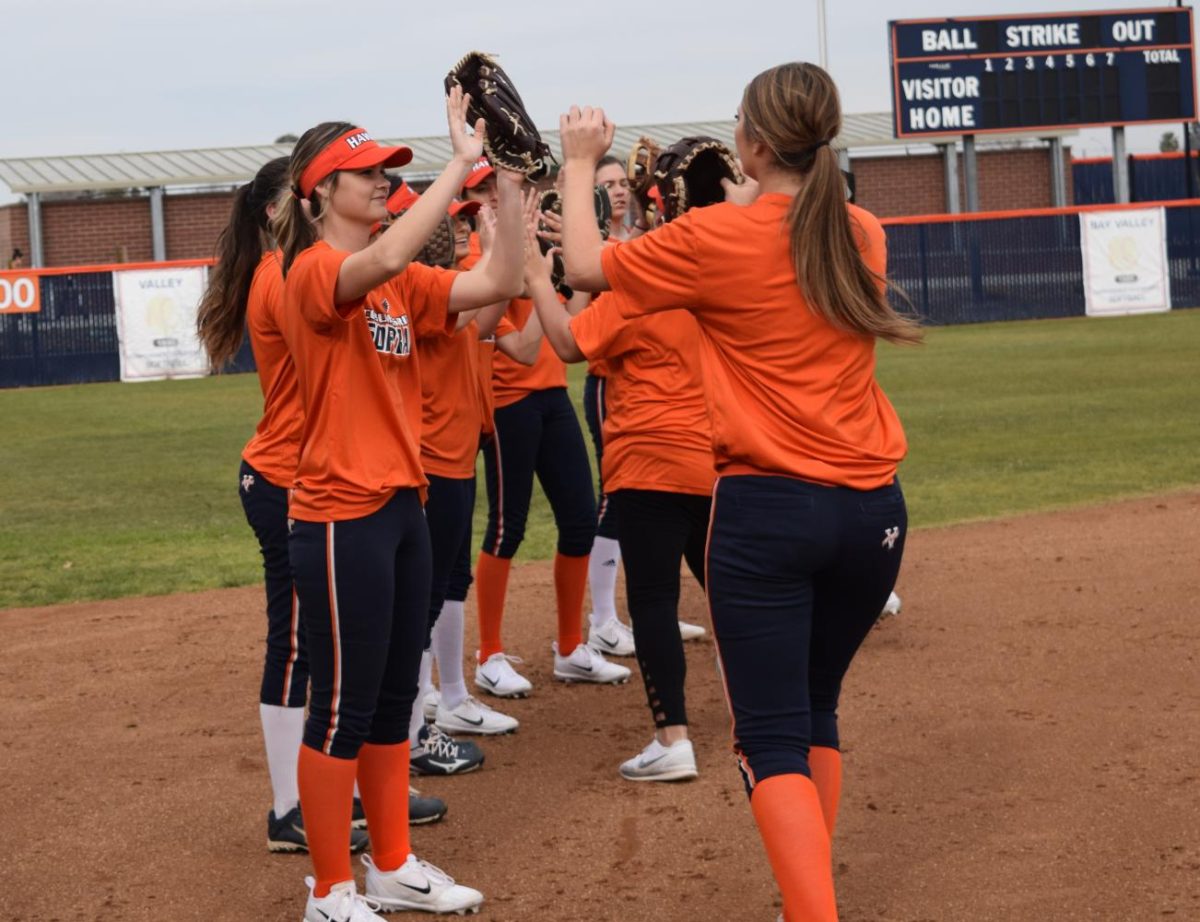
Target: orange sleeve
<point>426,292</point>
<point>870,239</point>
<point>504,326</point>
<point>658,271</point>
<point>314,277</point>
<point>601,331</point>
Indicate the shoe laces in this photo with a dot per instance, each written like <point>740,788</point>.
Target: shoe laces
<point>350,906</point>
<point>433,872</point>
<point>441,744</point>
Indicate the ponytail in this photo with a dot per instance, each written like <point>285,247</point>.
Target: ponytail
<point>295,222</point>
<point>221,316</point>
<point>794,110</point>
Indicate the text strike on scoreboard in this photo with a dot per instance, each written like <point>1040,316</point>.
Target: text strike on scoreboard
<point>976,75</point>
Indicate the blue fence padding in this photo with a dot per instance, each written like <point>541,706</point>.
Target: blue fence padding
<point>1150,180</point>
<point>73,339</point>
<point>1093,183</point>
<point>982,271</point>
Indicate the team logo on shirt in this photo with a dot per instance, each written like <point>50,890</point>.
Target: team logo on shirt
<point>392,335</point>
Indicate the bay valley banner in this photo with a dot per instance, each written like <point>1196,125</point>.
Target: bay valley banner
<point>1125,262</point>
<point>156,323</point>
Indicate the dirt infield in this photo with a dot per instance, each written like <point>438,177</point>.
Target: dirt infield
<point>1021,743</point>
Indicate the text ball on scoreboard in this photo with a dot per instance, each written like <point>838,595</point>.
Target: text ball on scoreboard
<point>974,75</point>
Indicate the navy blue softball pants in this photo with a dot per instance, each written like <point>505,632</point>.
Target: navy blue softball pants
<point>797,576</point>
<point>594,413</point>
<point>539,434</point>
<point>449,507</point>
<point>285,669</point>
<point>364,598</point>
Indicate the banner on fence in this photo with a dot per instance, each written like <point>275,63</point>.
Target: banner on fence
<point>156,323</point>
<point>1125,262</point>
<point>19,293</point>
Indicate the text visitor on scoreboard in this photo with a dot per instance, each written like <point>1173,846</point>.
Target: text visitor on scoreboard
<point>980,74</point>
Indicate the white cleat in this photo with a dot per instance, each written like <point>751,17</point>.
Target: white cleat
<point>586,664</point>
<point>613,637</point>
<point>419,885</point>
<point>657,762</point>
<point>473,716</point>
<point>341,904</point>
<point>891,606</point>
<point>497,677</point>
<point>689,631</point>
<point>429,705</point>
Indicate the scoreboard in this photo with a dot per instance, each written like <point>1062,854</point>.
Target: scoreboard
<point>1050,70</point>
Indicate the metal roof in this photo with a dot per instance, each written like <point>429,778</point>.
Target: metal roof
<point>232,165</point>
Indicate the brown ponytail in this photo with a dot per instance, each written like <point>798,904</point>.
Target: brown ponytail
<point>295,221</point>
<point>221,316</point>
<point>794,110</point>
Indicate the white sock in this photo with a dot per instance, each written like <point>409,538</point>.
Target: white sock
<point>416,719</point>
<point>283,732</point>
<point>448,651</point>
<point>603,564</point>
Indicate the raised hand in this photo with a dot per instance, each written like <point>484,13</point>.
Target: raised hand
<point>486,221</point>
<point>586,134</point>
<point>467,147</point>
<point>743,193</point>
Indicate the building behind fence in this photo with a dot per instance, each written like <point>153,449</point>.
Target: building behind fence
<point>954,270</point>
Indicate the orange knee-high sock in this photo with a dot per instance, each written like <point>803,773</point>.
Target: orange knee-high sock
<point>383,784</point>
<point>788,812</point>
<point>570,583</point>
<point>491,586</point>
<point>825,763</point>
<point>327,803</point>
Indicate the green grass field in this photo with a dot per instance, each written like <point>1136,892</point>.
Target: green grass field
<point>112,490</point>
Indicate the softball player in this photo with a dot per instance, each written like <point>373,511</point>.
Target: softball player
<point>659,473</point>
<point>245,294</point>
<point>454,410</point>
<point>359,544</point>
<point>536,433</point>
<point>808,520</point>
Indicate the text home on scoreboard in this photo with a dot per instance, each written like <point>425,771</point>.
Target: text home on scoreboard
<point>1053,70</point>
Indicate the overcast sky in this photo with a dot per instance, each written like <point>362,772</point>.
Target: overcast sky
<point>122,76</point>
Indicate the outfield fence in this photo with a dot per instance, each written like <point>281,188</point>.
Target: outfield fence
<point>952,269</point>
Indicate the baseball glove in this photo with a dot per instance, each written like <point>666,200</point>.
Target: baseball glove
<point>639,168</point>
<point>552,202</point>
<point>512,140</point>
<point>689,174</point>
<point>439,248</point>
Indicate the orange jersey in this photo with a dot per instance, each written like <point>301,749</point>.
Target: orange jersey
<point>597,368</point>
<point>790,394</point>
<point>359,382</point>
<point>452,402</point>
<point>656,431</point>
<point>511,380</point>
<point>275,446</point>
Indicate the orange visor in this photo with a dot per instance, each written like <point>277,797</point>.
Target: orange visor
<point>355,150</point>
<point>402,199</point>
<point>463,208</point>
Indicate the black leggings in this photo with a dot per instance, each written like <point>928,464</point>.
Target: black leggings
<point>656,531</point>
<point>594,412</point>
